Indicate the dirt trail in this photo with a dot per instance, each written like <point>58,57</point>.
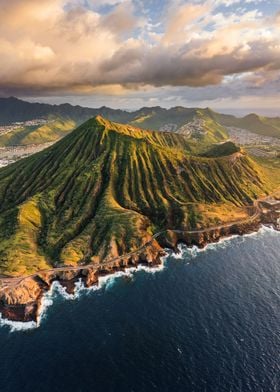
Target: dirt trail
<point>14,281</point>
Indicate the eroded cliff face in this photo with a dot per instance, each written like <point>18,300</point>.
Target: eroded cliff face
<point>102,190</point>
<point>201,239</point>
<point>22,299</point>
<point>21,302</point>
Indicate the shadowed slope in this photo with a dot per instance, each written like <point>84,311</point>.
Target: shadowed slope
<point>105,189</point>
<point>221,149</point>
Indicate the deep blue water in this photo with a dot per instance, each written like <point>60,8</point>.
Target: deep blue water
<point>207,322</point>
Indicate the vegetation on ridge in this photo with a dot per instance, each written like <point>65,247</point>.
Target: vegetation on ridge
<point>105,188</point>
<point>210,126</point>
<point>221,149</point>
<point>25,135</point>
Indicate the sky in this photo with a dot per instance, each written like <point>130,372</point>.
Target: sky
<point>127,54</point>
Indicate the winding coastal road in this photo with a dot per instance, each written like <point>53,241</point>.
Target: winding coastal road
<point>10,282</point>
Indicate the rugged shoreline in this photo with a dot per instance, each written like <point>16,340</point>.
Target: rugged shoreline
<point>88,206</point>
<point>23,301</point>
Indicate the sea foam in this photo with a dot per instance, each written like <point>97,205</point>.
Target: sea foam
<point>107,281</point>
<point>58,291</point>
<point>17,325</point>
<point>192,252</point>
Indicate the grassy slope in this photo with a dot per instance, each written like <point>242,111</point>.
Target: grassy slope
<point>155,118</point>
<point>145,118</point>
<point>49,132</point>
<point>214,122</point>
<point>258,124</point>
<point>222,149</point>
<point>12,109</point>
<point>105,188</point>
<point>213,132</point>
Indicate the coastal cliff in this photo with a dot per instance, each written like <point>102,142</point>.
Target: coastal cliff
<point>22,301</point>
<point>110,196</point>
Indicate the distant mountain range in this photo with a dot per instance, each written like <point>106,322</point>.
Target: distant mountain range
<point>204,125</point>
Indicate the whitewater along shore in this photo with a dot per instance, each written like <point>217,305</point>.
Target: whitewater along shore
<point>20,297</point>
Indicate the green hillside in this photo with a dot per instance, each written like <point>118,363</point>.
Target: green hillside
<point>105,188</point>
<point>214,123</point>
<point>202,126</point>
<point>156,117</point>
<point>63,118</point>
<point>16,110</point>
<point>49,132</point>
<point>221,149</point>
<point>176,119</point>
<point>267,126</point>
<point>202,130</point>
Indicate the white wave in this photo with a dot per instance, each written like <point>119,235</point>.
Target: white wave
<point>222,243</point>
<point>179,255</point>
<point>17,325</point>
<point>267,229</point>
<point>106,281</point>
<point>154,269</point>
<point>186,252</point>
<point>57,290</point>
<point>193,251</point>
<point>260,233</point>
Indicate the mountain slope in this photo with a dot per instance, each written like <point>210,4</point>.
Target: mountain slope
<point>202,130</point>
<point>221,149</point>
<point>267,126</point>
<point>197,124</point>
<point>49,132</point>
<point>202,126</point>
<point>13,109</point>
<point>104,189</point>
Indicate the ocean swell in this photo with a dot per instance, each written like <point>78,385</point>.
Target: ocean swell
<point>58,291</point>
<point>107,281</point>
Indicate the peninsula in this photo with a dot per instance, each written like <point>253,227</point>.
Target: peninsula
<point>109,196</point>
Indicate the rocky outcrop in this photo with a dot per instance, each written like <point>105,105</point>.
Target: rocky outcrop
<point>21,301</point>
<point>201,238</point>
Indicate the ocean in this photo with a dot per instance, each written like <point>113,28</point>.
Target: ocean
<point>207,321</point>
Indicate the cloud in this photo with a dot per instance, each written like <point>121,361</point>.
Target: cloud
<point>67,47</point>
<point>181,18</point>
<point>102,3</point>
<point>121,20</point>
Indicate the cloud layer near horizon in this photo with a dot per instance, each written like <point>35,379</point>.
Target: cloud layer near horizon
<point>57,47</point>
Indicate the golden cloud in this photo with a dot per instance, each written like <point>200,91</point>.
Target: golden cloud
<point>54,45</point>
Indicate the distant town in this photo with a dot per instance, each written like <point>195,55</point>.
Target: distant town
<point>193,128</point>
<point>4,129</point>
<point>258,145</point>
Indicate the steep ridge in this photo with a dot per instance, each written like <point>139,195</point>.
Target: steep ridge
<point>13,109</point>
<point>267,126</point>
<point>200,125</point>
<point>104,189</point>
